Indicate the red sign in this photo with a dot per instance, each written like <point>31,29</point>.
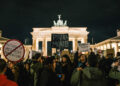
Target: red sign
<point>13,50</point>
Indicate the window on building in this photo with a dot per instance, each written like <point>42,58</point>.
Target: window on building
<point>70,45</point>
<point>40,46</point>
<point>49,48</point>
<point>79,42</point>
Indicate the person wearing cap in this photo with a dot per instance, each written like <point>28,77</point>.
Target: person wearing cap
<point>3,78</point>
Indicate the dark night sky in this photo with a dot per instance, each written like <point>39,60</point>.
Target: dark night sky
<point>18,17</point>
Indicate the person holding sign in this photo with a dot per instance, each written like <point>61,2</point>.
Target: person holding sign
<point>82,60</point>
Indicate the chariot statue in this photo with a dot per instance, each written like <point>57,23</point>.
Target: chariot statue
<point>60,22</point>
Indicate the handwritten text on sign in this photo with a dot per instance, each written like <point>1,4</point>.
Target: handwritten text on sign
<point>13,50</point>
<point>60,40</point>
<point>84,47</point>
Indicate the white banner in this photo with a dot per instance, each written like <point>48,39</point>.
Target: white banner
<point>84,47</point>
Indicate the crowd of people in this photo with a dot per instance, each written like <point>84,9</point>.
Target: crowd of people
<point>85,70</point>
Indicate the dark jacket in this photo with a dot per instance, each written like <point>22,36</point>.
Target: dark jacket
<point>67,71</point>
<point>48,78</point>
<point>10,74</point>
<point>92,76</point>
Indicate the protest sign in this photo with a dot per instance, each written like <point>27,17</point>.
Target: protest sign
<point>84,47</point>
<point>60,41</point>
<point>13,50</point>
<point>109,51</point>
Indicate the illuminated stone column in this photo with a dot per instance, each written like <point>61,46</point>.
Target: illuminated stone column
<point>53,51</point>
<point>110,45</point>
<point>103,47</point>
<point>73,44</point>
<point>82,40</point>
<point>106,46</point>
<point>118,46</point>
<point>85,40</point>
<point>37,44</point>
<point>114,47</point>
<point>100,48</point>
<point>2,56</point>
<point>43,46</point>
<point>34,44</point>
<point>117,49</point>
<point>76,44</point>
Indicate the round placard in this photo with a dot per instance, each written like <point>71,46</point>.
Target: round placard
<point>13,50</point>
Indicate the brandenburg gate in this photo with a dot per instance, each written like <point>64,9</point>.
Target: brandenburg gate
<point>41,37</point>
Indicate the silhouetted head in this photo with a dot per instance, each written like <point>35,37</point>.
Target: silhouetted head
<point>2,65</point>
<point>66,59</point>
<point>92,60</point>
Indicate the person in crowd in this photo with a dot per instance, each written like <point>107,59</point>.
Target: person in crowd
<point>27,65</point>
<point>9,73</point>
<point>75,58</point>
<point>81,64</point>
<point>76,55</point>
<point>66,69</point>
<point>3,78</point>
<point>91,75</point>
<point>118,55</point>
<point>36,67</point>
<point>24,78</point>
<point>98,56</point>
<point>58,68</point>
<point>28,74</point>
<point>81,61</point>
<point>59,71</point>
<point>48,76</point>
<point>115,71</point>
<point>105,66</point>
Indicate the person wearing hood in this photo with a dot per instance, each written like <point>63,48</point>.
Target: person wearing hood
<point>90,75</point>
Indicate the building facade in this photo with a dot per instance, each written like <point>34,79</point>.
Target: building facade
<point>111,43</point>
<point>41,37</point>
<point>2,42</point>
